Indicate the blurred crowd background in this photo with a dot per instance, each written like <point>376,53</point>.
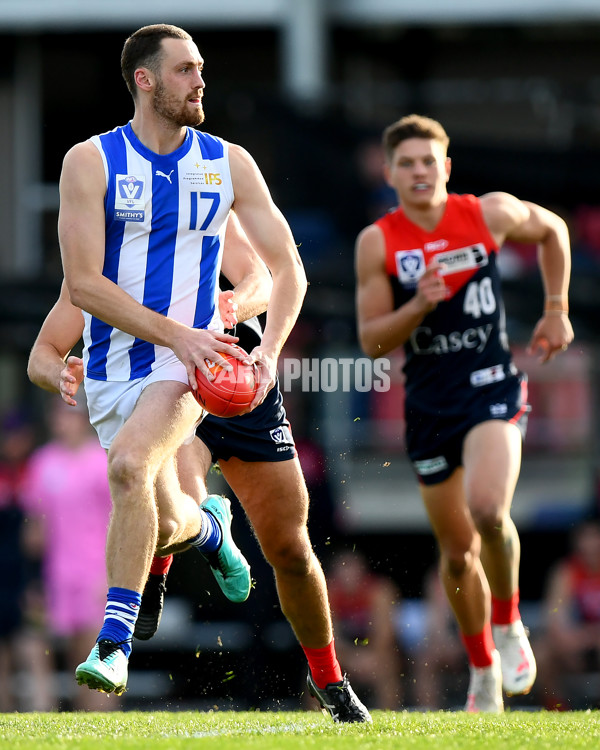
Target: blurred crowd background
<point>307,87</point>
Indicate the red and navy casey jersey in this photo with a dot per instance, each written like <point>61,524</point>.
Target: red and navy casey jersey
<point>460,349</point>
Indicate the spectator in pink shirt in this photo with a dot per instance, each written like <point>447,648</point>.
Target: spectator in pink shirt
<point>68,501</point>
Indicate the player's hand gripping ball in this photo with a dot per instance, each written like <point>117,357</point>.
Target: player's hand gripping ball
<point>231,392</point>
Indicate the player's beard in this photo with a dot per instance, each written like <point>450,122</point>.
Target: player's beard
<point>173,110</point>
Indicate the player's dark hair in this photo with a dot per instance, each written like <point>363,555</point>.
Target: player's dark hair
<point>412,126</point>
<point>144,49</point>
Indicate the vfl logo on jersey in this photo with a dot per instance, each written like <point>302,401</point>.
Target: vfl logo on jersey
<point>129,198</point>
<point>464,258</point>
<point>410,266</point>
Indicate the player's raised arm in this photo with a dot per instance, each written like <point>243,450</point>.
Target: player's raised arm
<point>271,237</point>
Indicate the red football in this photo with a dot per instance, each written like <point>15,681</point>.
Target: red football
<point>231,392</point>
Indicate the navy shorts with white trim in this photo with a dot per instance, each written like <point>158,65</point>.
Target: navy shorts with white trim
<point>263,434</point>
<point>435,443</point>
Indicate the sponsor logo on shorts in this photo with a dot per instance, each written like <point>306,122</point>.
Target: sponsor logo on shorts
<point>277,435</point>
<point>431,465</point>
<point>283,438</point>
<point>498,410</point>
<point>488,375</point>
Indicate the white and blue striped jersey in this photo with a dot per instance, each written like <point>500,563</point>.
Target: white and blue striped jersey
<point>165,227</point>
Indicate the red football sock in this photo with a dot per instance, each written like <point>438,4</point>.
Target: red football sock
<point>324,665</point>
<point>505,611</point>
<point>160,565</point>
<point>479,647</point>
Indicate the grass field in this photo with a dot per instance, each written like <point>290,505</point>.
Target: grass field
<point>299,730</point>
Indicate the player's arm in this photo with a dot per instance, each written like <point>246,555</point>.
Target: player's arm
<point>381,327</point>
<point>49,366</point>
<point>247,272</point>
<point>271,237</point>
<point>81,229</point>
<point>509,218</point>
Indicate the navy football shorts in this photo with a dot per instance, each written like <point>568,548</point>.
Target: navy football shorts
<point>261,435</point>
<point>434,444</point>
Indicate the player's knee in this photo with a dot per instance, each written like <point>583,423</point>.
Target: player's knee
<point>168,529</point>
<point>457,562</point>
<point>292,556</point>
<point>126,471</point>
<point>488,519</point>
